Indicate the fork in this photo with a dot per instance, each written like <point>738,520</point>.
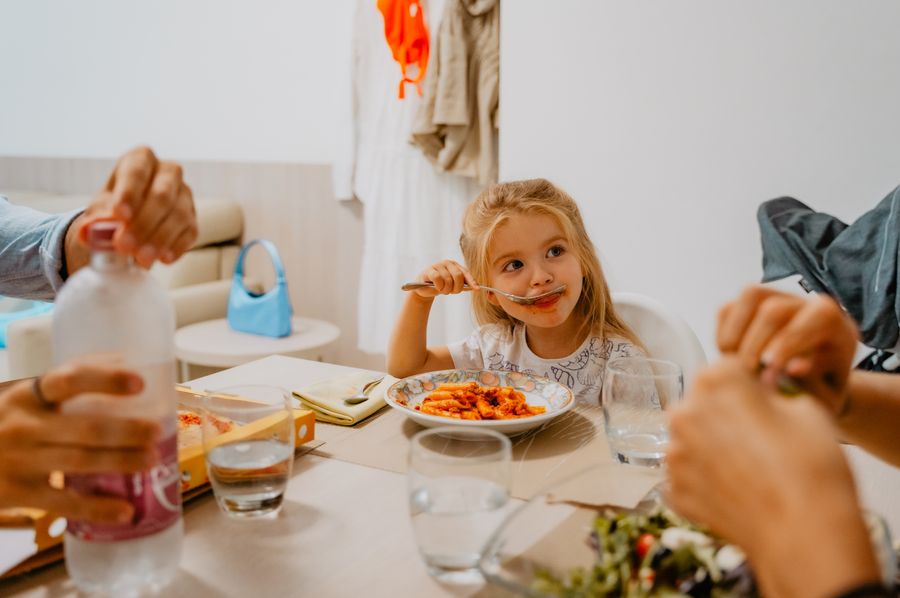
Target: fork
<point>411,286</point>
<point>362,396</point>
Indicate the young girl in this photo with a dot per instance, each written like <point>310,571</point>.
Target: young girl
<point>525,238</point>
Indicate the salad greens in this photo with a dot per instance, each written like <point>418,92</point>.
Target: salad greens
<point>652,554</point>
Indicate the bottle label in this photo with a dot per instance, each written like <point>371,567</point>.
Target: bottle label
<point>155,495</point>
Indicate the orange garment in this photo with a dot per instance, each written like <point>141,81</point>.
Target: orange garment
<point>407,36</point>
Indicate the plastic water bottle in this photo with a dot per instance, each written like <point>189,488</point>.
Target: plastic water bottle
<point>116,313</point>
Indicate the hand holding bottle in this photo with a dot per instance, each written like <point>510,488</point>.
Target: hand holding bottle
<point>153,203</point>
<point>115,312</point>
<point>36,439</point>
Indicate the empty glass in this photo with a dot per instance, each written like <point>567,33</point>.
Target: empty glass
<point>249,444</point>
<point>637,392</point>
<point>458,495</point>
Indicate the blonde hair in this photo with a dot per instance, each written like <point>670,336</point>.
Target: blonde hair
<point>494,206</point>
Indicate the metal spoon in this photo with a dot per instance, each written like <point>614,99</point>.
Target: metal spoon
<point>362,395</point>
<point>411,286</point>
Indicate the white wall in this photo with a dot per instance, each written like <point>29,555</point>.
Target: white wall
<point>196,79</point>
<point>670,122</point>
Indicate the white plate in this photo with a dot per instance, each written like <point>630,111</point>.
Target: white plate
<point>405,394</point>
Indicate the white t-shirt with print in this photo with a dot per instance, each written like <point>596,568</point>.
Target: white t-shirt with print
<point>495,347</point>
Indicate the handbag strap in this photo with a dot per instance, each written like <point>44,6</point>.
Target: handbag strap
<point>273,253</point>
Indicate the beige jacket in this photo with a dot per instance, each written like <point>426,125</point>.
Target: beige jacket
<point>456,124</point>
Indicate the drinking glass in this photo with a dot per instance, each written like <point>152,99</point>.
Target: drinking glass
<point>637,393</point>
<point>248,440</point>
<point>458,495</point>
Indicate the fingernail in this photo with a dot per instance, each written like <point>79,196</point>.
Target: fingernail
<point>766,358</point>
<point>127,241</point>
<point>146,254</point>
<point>167,256</point>
<point>134,385</point>
<point>125,515</point>
<point>123,211</point>
<point>769,377</point>
<point>792,364</point>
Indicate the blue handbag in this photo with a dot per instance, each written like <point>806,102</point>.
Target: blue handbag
<point>267,314</point>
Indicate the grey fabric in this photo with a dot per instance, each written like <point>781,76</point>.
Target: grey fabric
<point>856,263</point>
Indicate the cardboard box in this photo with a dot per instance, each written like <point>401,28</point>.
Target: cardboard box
<point>193,466</point>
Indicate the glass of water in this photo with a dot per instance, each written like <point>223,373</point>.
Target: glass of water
<point>248,439</point>
<point>637,393</point>
<point>458,495</point>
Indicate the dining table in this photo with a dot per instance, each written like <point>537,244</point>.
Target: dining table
<point>344,529</point>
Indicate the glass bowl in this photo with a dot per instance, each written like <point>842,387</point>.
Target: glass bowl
<point>538,550</point>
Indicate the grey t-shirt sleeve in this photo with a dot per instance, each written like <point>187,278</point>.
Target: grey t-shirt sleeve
<point>32,251</point>
<point>467,353</point>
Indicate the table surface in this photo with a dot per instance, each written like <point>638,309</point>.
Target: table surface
<point>345,528</point>
<point>213,343</point>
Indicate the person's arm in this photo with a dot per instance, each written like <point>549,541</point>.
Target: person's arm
<point>871,414</point>
<point>766,473</point>
<point>408,353</point>
<point>871,589</point>
<point>32,259</point>
<point>821,548</point>
<point>39,251</point>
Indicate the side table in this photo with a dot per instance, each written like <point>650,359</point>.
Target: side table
<point>214,344</point>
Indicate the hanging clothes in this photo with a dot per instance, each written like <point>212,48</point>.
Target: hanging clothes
<point>407,36</point>
<point>412,214</point>
<point>456,126</point>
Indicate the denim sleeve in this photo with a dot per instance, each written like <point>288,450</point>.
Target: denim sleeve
<point>31,251</point>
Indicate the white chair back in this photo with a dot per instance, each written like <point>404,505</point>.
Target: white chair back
<point>664,333</point>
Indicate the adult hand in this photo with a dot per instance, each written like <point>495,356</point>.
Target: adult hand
<point>809,339</point>
<point>767,474</point>
<point>448,277</point>
<point>154,204</point>
<point>36,439</point>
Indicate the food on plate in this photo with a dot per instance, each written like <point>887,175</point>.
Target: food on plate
<point>655,554</point>
<point>189,433</point>
<point>474,402</point>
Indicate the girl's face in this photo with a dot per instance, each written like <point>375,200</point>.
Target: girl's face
<point>529,255</point>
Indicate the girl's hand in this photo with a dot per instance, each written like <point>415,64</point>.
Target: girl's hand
<point>448,278</point>
<point>36,439</point>
<point>809,339</point>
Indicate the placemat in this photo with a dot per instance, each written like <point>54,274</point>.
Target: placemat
<point>564,446</point>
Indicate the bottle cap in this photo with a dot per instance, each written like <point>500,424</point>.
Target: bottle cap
<point>100,235</point>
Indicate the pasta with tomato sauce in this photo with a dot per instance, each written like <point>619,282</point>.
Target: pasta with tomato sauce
<point>473,402</point>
